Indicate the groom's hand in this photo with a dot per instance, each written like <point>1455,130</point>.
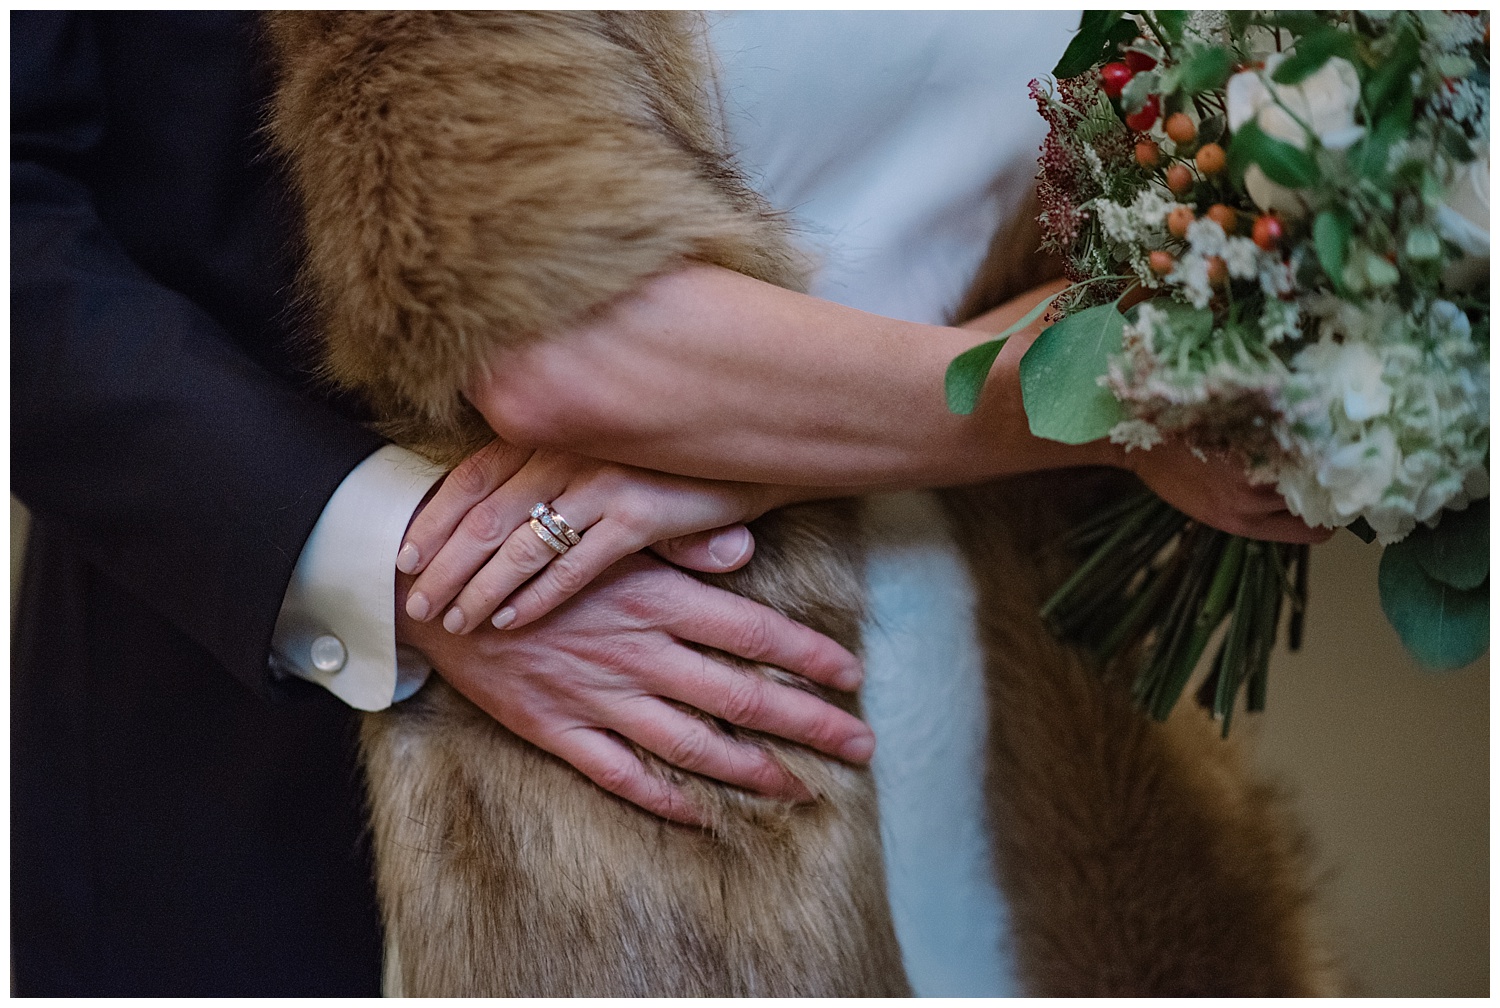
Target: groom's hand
<point>603,667</point>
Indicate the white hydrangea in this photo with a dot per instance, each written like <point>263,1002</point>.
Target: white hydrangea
<point>1386,416</point>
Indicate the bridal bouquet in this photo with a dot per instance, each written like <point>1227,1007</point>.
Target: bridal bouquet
<point>1276,226</point>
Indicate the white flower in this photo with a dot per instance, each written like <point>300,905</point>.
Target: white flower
<point>1324,103</point>
<point>1464,219</point>
<point>1356,475</point>
<point>1135,434</point>
<point>1353,374</point>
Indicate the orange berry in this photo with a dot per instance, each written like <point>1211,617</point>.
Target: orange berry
<point>1211,159</point>
<point>1147,153</point>
<point>1162,262</point>
<point>1267,231</point>
<point>1179,220</point>
<point>1223,216</point>
<point>1179,178</point>
<point>1218,271</point>
<point>1181,128</point>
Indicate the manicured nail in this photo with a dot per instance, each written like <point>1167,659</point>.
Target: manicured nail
<point>408,559</point>
<point>729,548</point>
<point>504,618</point>
<point>454,621</point>
<point>850,680</point>
<point>858,749</point>
<point>417,606</point>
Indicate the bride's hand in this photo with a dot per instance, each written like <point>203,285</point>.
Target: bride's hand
<point>473,546</point>
<point>612,665</point>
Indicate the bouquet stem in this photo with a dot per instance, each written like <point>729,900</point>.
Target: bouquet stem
<point>1157,583</point>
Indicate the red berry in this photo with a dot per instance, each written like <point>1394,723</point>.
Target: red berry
<point>1267,231</point>
<point>1147,116</point>
<point>1116,76</point>
<point>1139,61</point>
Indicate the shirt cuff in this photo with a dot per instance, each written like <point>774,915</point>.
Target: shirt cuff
<point>337,625</point>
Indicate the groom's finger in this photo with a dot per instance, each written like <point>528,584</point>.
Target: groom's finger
<point>609,763</point>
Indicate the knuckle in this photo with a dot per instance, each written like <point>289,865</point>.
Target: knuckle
<point>615,777</point>
<point>486,523</point>
<point>567,577</point>
<point>744,701</point>
<point>471,477</point>
<point>688,751</point>
<point>753,637</point>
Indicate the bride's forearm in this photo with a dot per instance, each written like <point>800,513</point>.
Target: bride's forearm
<point>708,373</point>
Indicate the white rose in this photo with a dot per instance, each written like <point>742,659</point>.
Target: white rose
<point>1325,102</point>
<point>1464,219</point>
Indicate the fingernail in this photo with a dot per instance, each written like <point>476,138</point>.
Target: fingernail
<point>453,622</point>
<point>417,607</point>
<point>408,559</point>
<point>728,548</point>
<point>858,749</point>
<point>504,618</point>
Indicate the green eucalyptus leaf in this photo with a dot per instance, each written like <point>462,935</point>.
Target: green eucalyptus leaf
<point>1060,377</point>
<point>1442,626</point>
<point>1457,552</point>
<point>1239,20</point>
<point>1422,244</point>
<point>1378,271</point>
<point>1392,80</point>
<point>967,374</point>
<point>1331,242</point>
<point>1206,69</point>
<point>1296,22</point>
<point>1088,45</point>
<point>1171,23</point>
<point>1124,31</point>
<point>1142,86</point>
<point>1312,52</point>
<point>1282,163</point>
<point>964,381</point>
<point>1190,326</point>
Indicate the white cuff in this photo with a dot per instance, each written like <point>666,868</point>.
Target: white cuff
<point>337,625</point>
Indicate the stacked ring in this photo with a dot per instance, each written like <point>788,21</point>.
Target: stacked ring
<point>552,529</point>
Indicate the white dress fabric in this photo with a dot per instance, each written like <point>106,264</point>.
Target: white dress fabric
<point>898,141</point>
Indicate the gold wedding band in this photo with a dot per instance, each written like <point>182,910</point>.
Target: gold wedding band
<point>547,537</point>
<point>551,529</point>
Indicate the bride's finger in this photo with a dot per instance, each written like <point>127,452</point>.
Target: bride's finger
<point>475,478</point>
<point>486,528</point>
<point>525,553</point>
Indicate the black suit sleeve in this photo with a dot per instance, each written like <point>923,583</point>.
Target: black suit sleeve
<point>193,474</point>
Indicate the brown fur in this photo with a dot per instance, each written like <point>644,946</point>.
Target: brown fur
<point>472,180</point>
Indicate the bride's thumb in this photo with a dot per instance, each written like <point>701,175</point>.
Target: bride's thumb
<point>713,552</point>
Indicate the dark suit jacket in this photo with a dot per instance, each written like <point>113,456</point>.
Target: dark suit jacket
<point>183,823</point>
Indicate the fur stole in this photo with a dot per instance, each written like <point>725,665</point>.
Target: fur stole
<point>472,180</point>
